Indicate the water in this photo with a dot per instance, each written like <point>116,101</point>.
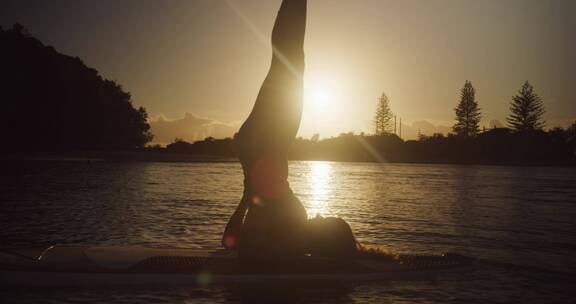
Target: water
<point>519,222</point>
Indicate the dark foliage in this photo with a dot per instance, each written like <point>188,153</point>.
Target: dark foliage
<point>500,146</point>
<point>383,123</point>
<point>526,110</point>
<point>209,146</point>
<point>495,146</point>
<point>467,112</point>
<point>54,102</point>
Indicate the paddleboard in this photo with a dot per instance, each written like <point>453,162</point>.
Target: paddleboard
<point>121,266</point>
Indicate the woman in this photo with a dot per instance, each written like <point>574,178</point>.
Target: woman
<point>270,221</point>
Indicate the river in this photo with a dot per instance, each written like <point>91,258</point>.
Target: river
<point>519,222</point>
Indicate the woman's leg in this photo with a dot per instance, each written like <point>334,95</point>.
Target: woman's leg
<point>265,137</point>
<point>275,118</point>
<point>275,215</point>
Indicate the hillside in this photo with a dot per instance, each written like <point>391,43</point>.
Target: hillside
<point>54,102</point>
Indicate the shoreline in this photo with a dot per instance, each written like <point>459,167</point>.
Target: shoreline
<point>170,157</point>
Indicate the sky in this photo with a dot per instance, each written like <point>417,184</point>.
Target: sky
<point>197,65</point>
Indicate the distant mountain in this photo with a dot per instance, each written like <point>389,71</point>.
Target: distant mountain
<point>52,101</point>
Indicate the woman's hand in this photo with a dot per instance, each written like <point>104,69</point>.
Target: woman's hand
<point>231,237</point>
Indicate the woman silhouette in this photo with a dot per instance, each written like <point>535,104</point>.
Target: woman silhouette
<point>270,221</point>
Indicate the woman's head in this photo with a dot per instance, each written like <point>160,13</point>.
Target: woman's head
<point>330,237</point>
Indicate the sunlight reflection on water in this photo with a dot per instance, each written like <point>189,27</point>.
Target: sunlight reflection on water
<point>319,176</point>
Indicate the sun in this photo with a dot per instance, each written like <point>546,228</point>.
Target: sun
<point>320,96</point>
<point>320,93</point>
<point>325,98</point>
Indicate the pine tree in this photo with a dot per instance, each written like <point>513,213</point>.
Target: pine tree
<point>384,116</point>
<point>467,113</point>
<point>526,110</point>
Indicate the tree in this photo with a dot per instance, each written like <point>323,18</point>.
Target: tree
<point>66,104</point>
<point>467,113</point>
<point>384,116</point>
<point>572,130</point>
<point>526,110</point>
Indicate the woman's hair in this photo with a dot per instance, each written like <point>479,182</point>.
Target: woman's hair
<point>332,237</point>
<point>374,252</point>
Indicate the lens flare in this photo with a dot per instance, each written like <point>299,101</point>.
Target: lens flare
<point>256,200</point>
<point>204,279</point>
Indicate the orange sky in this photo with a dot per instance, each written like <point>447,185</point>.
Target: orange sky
<point>208,58</point>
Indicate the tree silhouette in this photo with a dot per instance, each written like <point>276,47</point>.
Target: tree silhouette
<point>572,130</point>
<point>526,110</point>
<point>467,113</point>
<point>384,116</point>
<point>55,102</point>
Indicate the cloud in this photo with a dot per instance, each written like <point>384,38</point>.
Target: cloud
<point>189,128</point>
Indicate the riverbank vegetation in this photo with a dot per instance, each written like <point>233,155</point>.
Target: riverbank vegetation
<point>494,146</point>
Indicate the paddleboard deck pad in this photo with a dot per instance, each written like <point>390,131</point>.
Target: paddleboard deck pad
<point>69,266</point>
